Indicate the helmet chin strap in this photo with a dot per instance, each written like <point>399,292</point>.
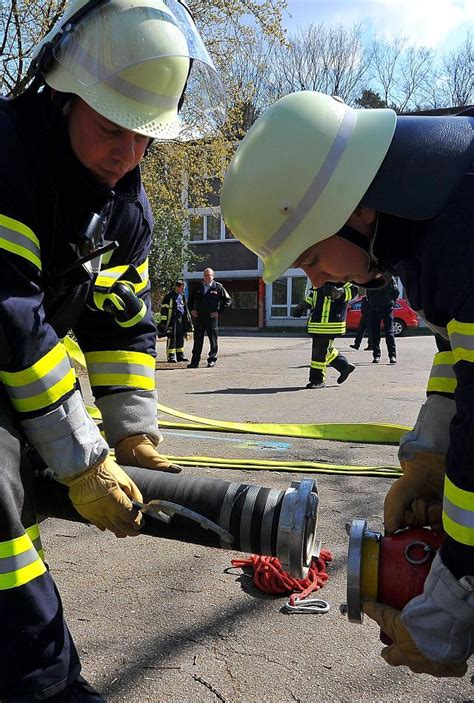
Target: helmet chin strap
<point>365,244</point>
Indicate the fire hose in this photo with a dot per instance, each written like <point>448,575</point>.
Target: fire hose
<point>215,513</point>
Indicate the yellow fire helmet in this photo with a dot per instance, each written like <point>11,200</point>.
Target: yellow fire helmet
<point>300,172</point>
<point>136,62</point>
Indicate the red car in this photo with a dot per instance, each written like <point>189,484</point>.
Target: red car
<point>403,316</point>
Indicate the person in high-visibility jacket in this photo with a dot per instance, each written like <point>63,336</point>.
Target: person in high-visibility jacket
<point>374,194</point>
<point>175,322</point>
<point>75,233</point>
<point>327,320</point>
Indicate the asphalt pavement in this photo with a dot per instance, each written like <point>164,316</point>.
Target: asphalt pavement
<point>158,620</point>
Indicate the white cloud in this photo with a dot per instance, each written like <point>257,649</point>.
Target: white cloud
<point>423,22</point>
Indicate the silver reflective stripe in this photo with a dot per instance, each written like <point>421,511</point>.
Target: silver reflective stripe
<point>246,518</point>
<point>41,385</point>
<point>18,561</point>
<point>19,240</point>
<point>99,368</point>
<point>442,371</point>
<point>141,95</point>
<point>458,515</point>
<point>317,186</point>
<point>466,341</point>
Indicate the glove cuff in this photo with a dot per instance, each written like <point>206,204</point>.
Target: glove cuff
<point>67,439</point>
<point>129,413</point>
<point>431,430</point>
<point>441,619</point>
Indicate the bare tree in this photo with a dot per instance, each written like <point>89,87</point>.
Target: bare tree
<point>456,77</point>
<point>331,60</point>
<point>22,24</point>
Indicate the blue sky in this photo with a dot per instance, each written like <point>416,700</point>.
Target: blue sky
<point>439,24</point>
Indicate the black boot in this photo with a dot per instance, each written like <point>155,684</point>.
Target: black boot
<point>78,692</point>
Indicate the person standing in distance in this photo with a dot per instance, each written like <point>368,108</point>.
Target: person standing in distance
<point>206,303</point>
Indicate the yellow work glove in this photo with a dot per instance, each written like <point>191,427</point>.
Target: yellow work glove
<point>102,493</point>
<point>139,450</point>
<point>415,499</point>
<point>403,651</point>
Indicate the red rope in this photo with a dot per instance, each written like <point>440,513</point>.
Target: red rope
<point>268,575</point>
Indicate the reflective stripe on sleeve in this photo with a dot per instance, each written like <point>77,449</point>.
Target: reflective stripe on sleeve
<point>43,383</point>
<point>121,368</point>
<point>461,337</point>
<point>458,513</point>
<point>19,239</point>
<point>20,560</point>
<point>442,377</point>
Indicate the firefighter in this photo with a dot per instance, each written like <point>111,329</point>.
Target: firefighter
<point>75,232</point>
<point>327,319</point>
<point>175,322</point>
<point>373,195</point>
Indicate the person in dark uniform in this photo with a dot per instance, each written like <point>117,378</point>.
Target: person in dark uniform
<point>327,320</point>
<point>175,322</point>
<point>363,326</point>
<point>373,195</point>
<point>206,303</point>
<point>75,233</point>
<point>381,303</point>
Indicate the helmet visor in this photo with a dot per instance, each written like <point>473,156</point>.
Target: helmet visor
<point>122,34</point>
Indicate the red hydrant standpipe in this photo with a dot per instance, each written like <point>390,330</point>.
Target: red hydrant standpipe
<point>389,569</point>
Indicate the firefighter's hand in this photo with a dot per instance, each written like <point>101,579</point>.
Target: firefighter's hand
<point>102,493</point>
<point>415,499</point>
<point>139,450</point>
<point>336,293</point>
<point>194,313</point>
<point>403,651</point>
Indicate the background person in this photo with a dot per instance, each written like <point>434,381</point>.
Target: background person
<point>69,185</point>
<point>175,322</point>
<point>327,320</point>
<point>363,326</point>
<point>381,303</point>
<point>406,209</point>
<point>206,303</point>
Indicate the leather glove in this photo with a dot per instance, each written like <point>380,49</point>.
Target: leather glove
<point>336,293</point>
<point>415,499</point>
<point>403,651</point>
<point>139,450</point>
<point>102,493</point>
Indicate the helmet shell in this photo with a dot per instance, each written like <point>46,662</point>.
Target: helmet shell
<point>300,172</point>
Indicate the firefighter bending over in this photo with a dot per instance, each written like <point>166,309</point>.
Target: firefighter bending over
<point>373,195</point>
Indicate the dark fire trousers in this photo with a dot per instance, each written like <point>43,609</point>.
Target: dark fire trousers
<point>205,324</point>
<point>376,317</point>
<point>324,354</point>
<point>38,660</point>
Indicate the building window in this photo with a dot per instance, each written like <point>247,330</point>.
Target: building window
<point>286,294</point>
<point>244,300</point>
<point>207,227</point>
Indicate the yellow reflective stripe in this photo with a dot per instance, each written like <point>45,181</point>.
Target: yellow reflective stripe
<point>326,309</point>
<point>33,533</point>
<point>101,298</point>
<point>461,337</point>
<point>19,239</point>
<point>19,560</point>
<point>43,383</point>
<point>331,355</point>
<point>136,319</point>
<point>458,513</point>
<point>442,377</point>
<point>327,327</point>
<point>441,385</point>
<point>143,271</point>
<point>348,295</point>
<point>121,368</point>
